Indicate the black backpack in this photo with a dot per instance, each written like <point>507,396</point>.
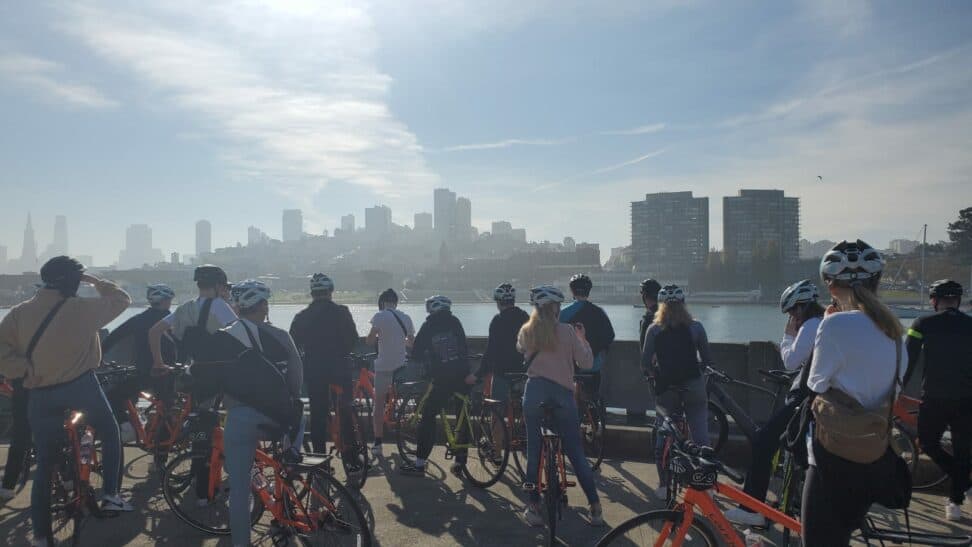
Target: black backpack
<point>196,344</point>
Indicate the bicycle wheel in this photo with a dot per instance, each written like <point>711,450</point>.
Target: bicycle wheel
<point>658,528</point>
<point>211,516</point>
<point>406,428</point>
<point>592,431</point>
<point>356,469</point>
<point>518,438</point>
<point>551,496</point>
<point>486,461</point>
<point>330,511</point>
<point>928,474</point>
<point>718,426</point>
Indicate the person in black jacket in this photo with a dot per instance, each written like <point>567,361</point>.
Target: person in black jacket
<point>325,333</point>
<point>136,331</point>
<point>441,345</point>
<point>501,355</point>
<point>945,338</point>
<point>649,296</point>
<point>597,325</point>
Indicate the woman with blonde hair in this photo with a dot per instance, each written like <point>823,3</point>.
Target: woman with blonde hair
<point>552,349</point>
<point>675,350</point>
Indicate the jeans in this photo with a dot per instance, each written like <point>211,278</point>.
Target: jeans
<point>440,397</point>
<point>934,416</point>
<point>20,436</point>
<point>46,410</point>
<point>765,445</point>
<point>240,441</point>
<point>690,402</point>
<point>567,425</point>
<point>836,498</point>
<point>319,392</point>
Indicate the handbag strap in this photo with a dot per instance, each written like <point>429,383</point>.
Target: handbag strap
<point>400,323</point>
<point>40,330</point>
<point>204,313</point>
<point>257,346</point>
<point>896,383</point>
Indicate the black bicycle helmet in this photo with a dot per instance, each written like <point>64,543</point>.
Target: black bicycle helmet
<point>581,284</point>
<point>63,274</point>
<point>945,288</point>
<point>209,275</point>
<point>650,287</point>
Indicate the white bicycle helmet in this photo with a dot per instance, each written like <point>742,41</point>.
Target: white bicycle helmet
<point>671,293</point>
<point>505,293</point>
<point>546,294</point>
<point>438,303</point>
<point>800,292</point>
<point>158,293</point>
<point>249,293</point>
<point>321,282</point>
<point>851,262</point>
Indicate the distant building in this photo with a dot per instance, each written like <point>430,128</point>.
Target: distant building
<point>174,258</point>
<point>3,259</point>
<point>28,254</point>
<point>204,238</point>
<point>256,236</point>
<point>378,220</point>
<point>760,224</point>
<point>570,244</point>
<point>87,260</point>
<point>347,224</point>
<point>518,235</point>
<point>293,225</point>
<point>424,222</point>
<point>59,246</point>
<point>502,227</point>
<point>670,234</point>
<point>138,249</point>
<point>463,216</point>
<point>814,250</point>
<point>445,210</point>
<point>903,246</point>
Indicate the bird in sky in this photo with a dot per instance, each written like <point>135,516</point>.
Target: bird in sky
<point>820,178</point>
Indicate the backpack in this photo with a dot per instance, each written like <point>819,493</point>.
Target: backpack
<point>197,340</point>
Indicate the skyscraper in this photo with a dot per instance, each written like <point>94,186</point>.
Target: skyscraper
<point>463,217</point>
<point>28,254</point>
<point>424,222</point>
<point>138,249</point>
<point>204,238</point>
<point>445,210</point>
<point>670,234</point>
<point>60,245</point>
<point>3,259</point>
<point>293,225</point>
<point>347,224</point>
<point>502,227</point>
<point>378,220</point>
<point>255,236</point>
<point>760,225</point>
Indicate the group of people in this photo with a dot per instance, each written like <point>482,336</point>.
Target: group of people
<point>854,348</point>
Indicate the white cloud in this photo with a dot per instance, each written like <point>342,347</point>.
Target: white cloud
<point>640,130</point>
<point>48,78</point>
<point>507,143</point>
<point>624,164</point>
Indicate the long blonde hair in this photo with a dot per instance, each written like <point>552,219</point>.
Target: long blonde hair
<point>540,332</point>
<point>672,314</point>
<point>865,299</point>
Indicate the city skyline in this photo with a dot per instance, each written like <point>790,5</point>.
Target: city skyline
<point>155,113</point>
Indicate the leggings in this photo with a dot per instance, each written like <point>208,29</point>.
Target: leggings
<point>20,438</point>
<point>836,498</point>
<point>934,416</point>
<point>686,402</point>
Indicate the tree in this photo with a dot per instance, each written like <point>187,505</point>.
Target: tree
<point>960,233</point>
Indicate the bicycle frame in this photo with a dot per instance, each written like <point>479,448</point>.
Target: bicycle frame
<point>274,498</point>
<point>551,443</point>
<point>462,418</point>
<point>732,408</point>
<point>702,501</point>
<point>146,434</point>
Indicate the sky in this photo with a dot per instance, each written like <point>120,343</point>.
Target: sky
<point>552,114</point>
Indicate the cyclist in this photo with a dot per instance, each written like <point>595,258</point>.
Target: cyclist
<point>501,355</point>
<point>649,296</point>
<point>325,333</point>
<point>243,423</point>
<point>60,374</point>
<point>394,332</point>
<point>441,345</point>
<point>136,329</point>
<point>799,302</point>
<point>945,338</point>
<point>553,349</point>
<point>854,352</point>
<point>675,347</point>
<point>597,325</point>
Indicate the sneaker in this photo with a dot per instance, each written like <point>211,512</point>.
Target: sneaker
<point>127,433</point>
<point>739,515</point>
<point>38,542</point>
<point>597,515</point>
<point>412,469</point>
<point>376,451</point>
<point>661,492</point>
<point>532,516</point>
<point>7,494</point>
<point>953,511</point>
<point>115,503</point>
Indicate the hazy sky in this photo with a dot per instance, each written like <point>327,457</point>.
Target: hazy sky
<point>551,114</point>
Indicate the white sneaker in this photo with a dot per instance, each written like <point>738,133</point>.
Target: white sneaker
<point>597,515</point>
<point>953,511</point>
<point>127,433</point>
<point>116,503</point>
<point>738,515</point>
<point>532,516</point>
<point>7,494</point>
<point>661,492</point>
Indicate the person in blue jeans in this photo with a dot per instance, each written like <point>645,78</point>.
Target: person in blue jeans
<point>552,349</point>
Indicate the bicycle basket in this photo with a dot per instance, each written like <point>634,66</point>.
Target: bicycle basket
<point>698,477</point>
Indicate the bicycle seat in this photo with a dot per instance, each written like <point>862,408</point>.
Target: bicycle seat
<point>778,376</point>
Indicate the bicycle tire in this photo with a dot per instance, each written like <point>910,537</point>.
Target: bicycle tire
<point>406,428</point>
<point>518,439</point>
<point>551,497</point>
<point>593,429</point>
<point>352,525</point>
<point>644,529</point>
<point>356,472</point>
<point>718,426</point>
<point>67,515</point>
<point>483,444</point>
<point>929,475</point>
<point>176,481</point>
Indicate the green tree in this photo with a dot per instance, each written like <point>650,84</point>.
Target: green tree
<point>960,233</point>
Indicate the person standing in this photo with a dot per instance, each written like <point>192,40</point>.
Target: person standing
<point>649,297</point>
<point>501,355</point>
<point>51,341</point>
<point>597,325</point>
<point>945,339</point>
<point>394,333</point>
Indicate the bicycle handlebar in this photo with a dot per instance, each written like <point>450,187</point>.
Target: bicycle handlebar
<point>700,455</point>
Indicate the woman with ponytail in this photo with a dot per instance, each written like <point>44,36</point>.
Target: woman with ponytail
<point>858,359</point>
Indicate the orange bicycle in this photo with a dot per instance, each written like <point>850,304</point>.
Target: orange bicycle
<point>552,480</point>
<point>75,467</point>
<point>354,458</point>
<point>364,391</point>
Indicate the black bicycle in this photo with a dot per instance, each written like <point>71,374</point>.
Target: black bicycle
<point>722,404</point>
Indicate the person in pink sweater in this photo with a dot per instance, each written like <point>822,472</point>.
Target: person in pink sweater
<point>552,349</point>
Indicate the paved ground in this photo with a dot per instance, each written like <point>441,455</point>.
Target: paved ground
<point>436,511</point>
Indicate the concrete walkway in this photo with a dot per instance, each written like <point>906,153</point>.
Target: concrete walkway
<point>436,511</point>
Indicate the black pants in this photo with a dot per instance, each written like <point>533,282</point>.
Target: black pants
<point>20,439</point>
<point>442,396</point>
<point>319,392</point>
<point>836,497</point>
<point>765,445</point>
<point>934,416</point>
